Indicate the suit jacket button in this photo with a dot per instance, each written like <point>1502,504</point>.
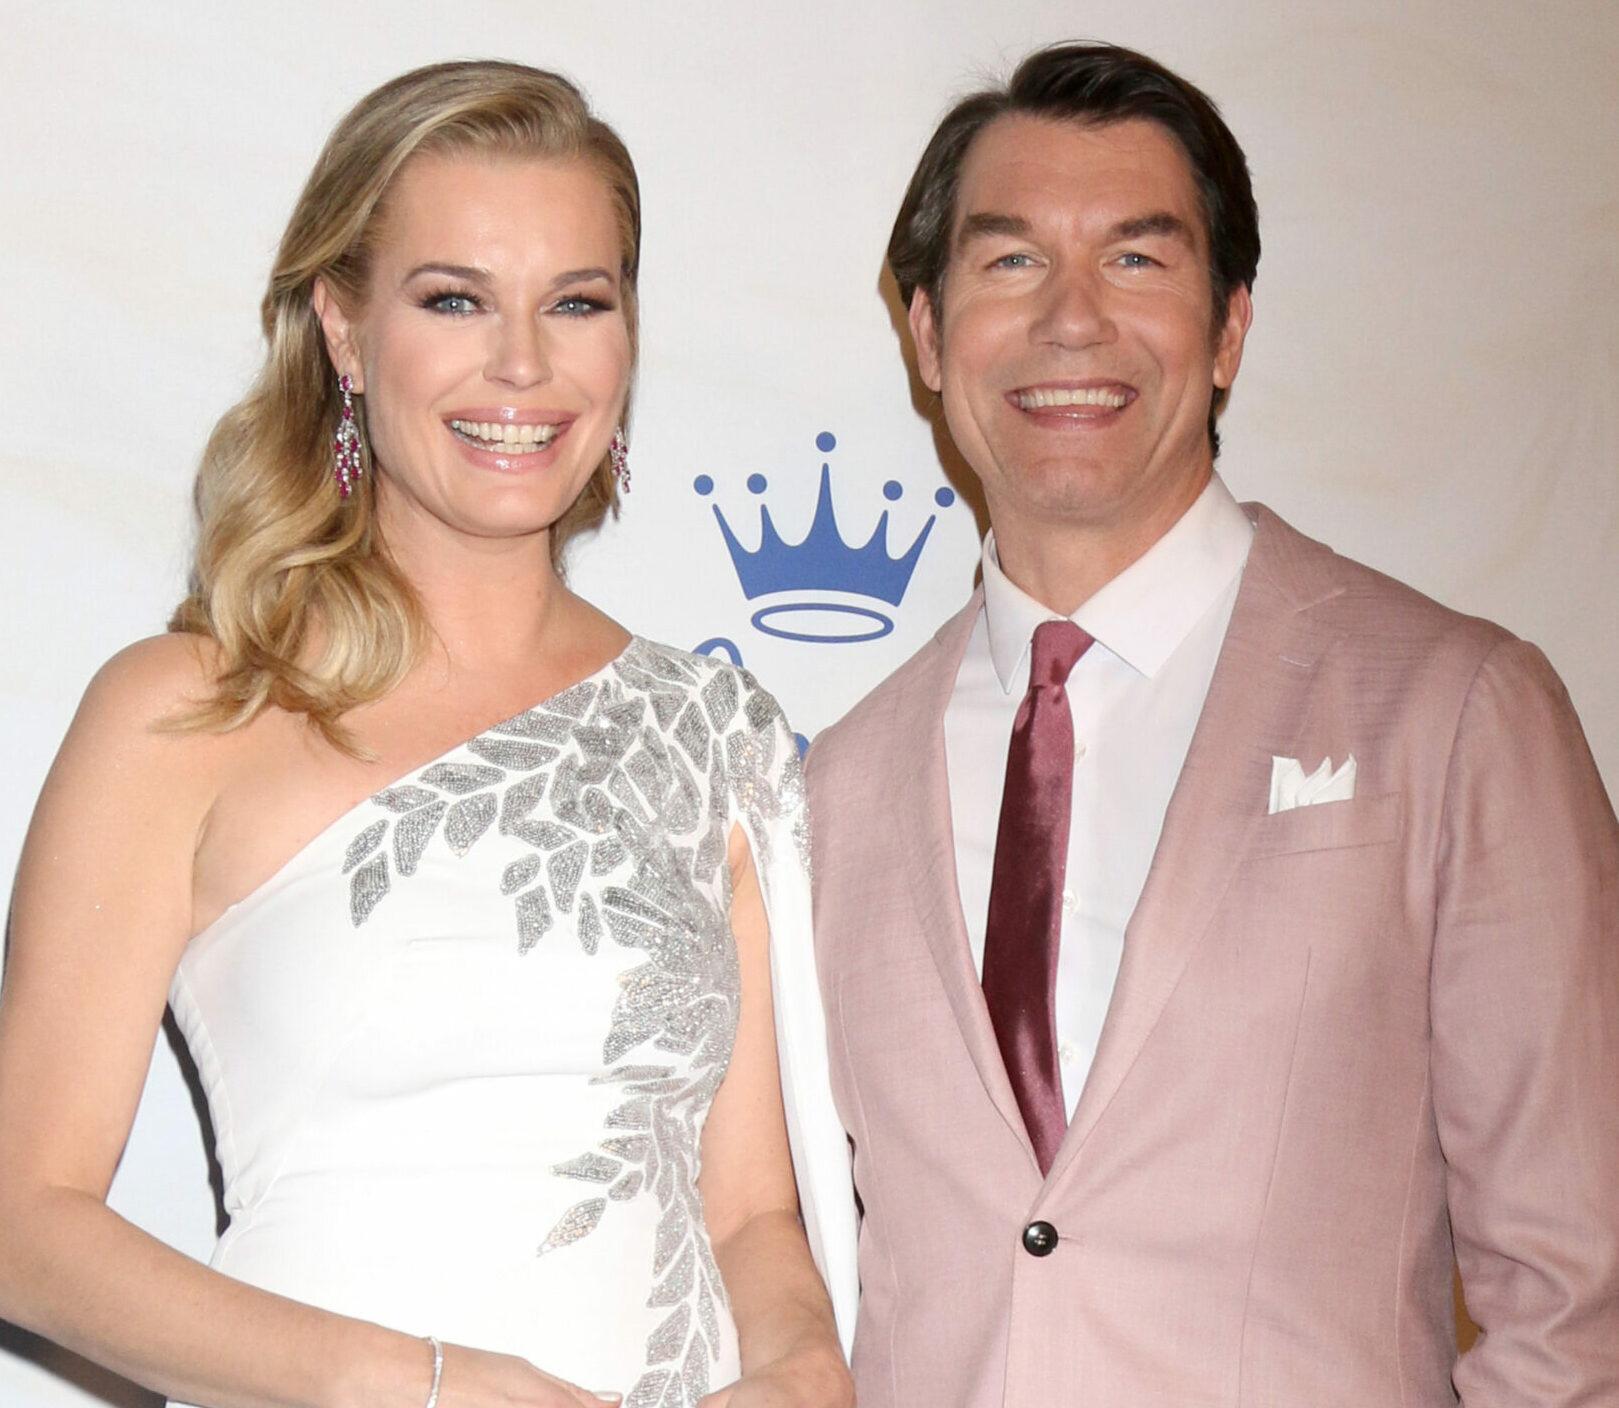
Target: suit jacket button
<point>1039,1239</point>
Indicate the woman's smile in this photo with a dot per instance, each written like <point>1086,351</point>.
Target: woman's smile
<point>506,439</point>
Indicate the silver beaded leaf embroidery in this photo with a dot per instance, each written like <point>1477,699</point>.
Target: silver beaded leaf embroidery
<point>579,1221</point>
<point>642,771</point>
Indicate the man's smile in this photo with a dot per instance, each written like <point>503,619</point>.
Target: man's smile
<point>1080,402</point>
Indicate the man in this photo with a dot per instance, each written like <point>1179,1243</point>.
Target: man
<point>1216,936</point>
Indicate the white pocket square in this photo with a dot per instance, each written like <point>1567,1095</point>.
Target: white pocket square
<point>1290,786</point>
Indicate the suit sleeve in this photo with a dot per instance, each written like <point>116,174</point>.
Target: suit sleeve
<point>1525,1067</point>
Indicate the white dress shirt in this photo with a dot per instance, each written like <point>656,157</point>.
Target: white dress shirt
<point>1136,695</point>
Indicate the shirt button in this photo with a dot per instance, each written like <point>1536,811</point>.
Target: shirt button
<point>1039,1239</point>
<point>1070,901</point>
<point>1067,1053</point>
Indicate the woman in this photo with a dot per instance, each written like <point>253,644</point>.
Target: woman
<point>467,901</point>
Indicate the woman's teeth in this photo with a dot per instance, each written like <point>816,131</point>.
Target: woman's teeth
<point>1063,396</point>
<point>513,439</point>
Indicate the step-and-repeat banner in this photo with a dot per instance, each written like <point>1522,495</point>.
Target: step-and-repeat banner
<point>1430,384</point>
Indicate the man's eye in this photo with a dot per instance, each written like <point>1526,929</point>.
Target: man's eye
<point>1014,261</point>
<point>455,304</point>
<point>1136,260</point>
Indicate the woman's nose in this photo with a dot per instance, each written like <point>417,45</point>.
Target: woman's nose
<point>519,356</point>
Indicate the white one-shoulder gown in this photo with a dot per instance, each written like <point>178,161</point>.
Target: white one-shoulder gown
<point>460,1049</point>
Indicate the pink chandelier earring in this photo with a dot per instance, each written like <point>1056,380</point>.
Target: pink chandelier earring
<point>346,443</point>
<point>619,453</point>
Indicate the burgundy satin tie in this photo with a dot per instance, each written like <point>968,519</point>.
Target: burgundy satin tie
<point>1025,894</point>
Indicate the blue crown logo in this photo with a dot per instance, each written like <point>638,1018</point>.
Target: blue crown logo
<point>822,562</point>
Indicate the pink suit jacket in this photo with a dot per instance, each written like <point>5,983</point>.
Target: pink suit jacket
<point>1341,1036</point>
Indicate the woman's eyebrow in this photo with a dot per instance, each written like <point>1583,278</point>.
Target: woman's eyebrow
<point>469,272</point>
<point>474,274</point>
<point>579,276</point>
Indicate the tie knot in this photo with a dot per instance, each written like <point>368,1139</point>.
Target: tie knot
<point>1055,651</point>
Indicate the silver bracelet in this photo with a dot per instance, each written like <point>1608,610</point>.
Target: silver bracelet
<point>438,1372</point>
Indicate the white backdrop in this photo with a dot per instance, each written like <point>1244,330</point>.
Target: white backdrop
<point>1430,385</point>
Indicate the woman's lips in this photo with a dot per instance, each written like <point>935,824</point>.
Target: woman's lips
<point>510,442</point>
<point>508,439</point>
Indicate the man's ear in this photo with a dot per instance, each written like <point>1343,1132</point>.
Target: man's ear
<point>338,330</point>
<point>1239,316</point>
<point>925,332</point>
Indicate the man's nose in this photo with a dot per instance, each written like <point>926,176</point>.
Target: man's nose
<point>1076,310</point>
<point>520,356</point>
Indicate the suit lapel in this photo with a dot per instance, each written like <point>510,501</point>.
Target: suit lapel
<point>1254,710</point>
<point>930,850</point>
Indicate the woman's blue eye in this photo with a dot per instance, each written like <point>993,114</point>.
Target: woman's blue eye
<point>578,306</point>
<point>455,304</point>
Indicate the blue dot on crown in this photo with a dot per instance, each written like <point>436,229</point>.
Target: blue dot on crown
<point>757,483</point>
<point>703,485</point>
<point>944,497</point>
<point>826,441</point>
<point>892,490</point>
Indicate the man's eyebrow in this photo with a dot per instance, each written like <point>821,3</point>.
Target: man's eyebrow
<point>983,223</point>
<point>1160,222</point>
<point>987,222</point>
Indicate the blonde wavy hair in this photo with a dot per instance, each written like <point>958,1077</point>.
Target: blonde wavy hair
<point>291,581</point>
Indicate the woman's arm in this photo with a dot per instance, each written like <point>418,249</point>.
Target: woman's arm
<point>789,1341</point>
<point>101,915</point>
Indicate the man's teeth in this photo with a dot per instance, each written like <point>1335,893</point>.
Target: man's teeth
<point>518,439</point>
<point>1064,396</point>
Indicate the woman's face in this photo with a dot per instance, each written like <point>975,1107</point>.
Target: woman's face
<point>493,347</point>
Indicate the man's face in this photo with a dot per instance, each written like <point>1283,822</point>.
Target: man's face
<point>1073,349</point>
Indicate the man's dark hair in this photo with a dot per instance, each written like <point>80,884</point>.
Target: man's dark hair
<point>1094,85</point>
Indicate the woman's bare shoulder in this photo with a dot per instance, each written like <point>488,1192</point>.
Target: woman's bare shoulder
<point>151,682</point>
<point>132,704</point>
<point>126,799</point>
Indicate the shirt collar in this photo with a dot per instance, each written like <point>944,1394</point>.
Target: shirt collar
<point>1144,613</point>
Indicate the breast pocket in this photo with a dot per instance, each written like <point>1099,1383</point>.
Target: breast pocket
<point>1329,877</point>
<point>1328,826</point>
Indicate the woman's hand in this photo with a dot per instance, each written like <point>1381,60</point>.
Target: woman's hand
<point>476,1378</point>
<point>810,1379</point>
